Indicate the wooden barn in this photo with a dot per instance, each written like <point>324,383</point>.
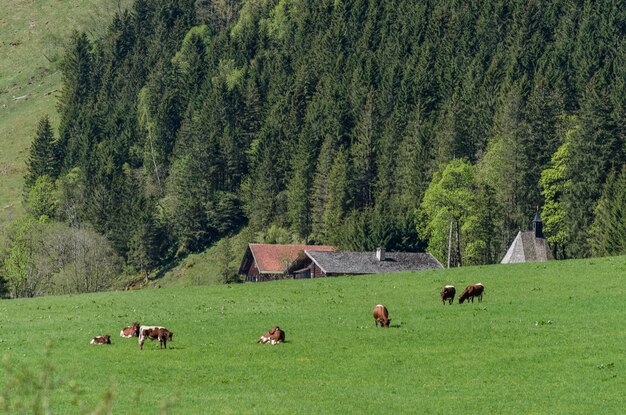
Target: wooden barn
<point>314,264</point>
<point>529,246</point>
<point>265,262</point>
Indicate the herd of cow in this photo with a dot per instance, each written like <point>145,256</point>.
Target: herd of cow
<point>474,290</point>
<point>381,315</point>
<point>275,335</point>
<point>159,333</point>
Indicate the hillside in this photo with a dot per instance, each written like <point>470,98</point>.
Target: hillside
<point>414,126</point>
<point>547,338</point>
<point>32,42</point>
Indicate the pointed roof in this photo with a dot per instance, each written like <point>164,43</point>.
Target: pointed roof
<point>527,248</point>
<point>275,258</point>
<point>351,263</point>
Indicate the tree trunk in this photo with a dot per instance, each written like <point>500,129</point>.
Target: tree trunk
<point>450,244</point>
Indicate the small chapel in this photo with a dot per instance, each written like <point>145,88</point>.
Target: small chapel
<point>529,246</point>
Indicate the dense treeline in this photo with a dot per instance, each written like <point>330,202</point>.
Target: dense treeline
<point>357,123</point>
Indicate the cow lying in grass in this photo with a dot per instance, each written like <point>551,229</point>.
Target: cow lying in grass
<point>274,336</point>
<point>155,333</point>
<point>471,291</point>
<point>106,339</point>
<point>130,331</point>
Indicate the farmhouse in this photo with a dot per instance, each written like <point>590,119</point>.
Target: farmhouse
<point>529,246</point>
<point>265,262</point>
<point>313,264</point>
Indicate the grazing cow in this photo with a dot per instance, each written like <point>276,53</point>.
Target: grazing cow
<point>471,291</point>
<point>106,339</point>
<point>274,336</point>
<point>447,293</point>
<point>154,333</point>
<point>130,331</point>
<point>381,315</point>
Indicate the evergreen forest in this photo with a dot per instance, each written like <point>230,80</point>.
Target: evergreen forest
<point>356,123</point>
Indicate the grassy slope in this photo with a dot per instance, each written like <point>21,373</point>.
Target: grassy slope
<point>28,31</point>
<point>204,268</point>
<point>548,338</point>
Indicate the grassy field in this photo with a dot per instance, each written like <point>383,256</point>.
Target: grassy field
<point>547,339</point>
<point>204,268</point>
<point>33,34</point>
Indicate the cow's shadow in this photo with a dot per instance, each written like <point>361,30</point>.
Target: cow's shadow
<point>391,326</point>
<point>162,350</point>
<point>277,344</point>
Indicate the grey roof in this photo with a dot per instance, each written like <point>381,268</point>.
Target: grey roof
<point>347,262</point>
<point>527,248</point>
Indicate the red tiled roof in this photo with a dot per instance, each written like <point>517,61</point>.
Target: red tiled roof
<point>274,258</point>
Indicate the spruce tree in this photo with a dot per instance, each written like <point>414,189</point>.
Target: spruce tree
<point>43,158</point>
<point>76,92</point>
<point>608,231</point>
<point>363,155</point>
<point>595,149</point>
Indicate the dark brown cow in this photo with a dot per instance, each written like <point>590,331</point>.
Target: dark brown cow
<point>130,331</point>
<point>471,291</point>
<point>447,293</point>
<point>106,339</point>
<point>274,336</point>
<point>154,333</point>
<point>381,315</point>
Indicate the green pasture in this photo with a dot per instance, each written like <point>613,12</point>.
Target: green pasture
<point>547,339</point>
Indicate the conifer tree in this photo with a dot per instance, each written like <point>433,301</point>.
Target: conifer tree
<point>76,91</point>
<point>338,196</point>
<point>363,155</point>
<point>595,149</point>
<point>43,158</point>
<point>415,162</point>
<point>608,231</point>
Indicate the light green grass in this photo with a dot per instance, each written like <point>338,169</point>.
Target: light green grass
<point>32,34</point>
<point>547,339</point>
<point>204,268</point>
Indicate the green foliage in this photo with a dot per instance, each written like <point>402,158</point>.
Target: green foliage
<point>228,273</point>
<point>554,183</point>
<point>276,235</point>
<point>42,198</point>
<point>608,232</point>
<point>71,197</point>
<point>595,148</point>
<point>368,229</point>
<point>25,274</point>
<point>45,257</point>
<point>448,203</point>
<point>43,159</point>
<point>311,116</point>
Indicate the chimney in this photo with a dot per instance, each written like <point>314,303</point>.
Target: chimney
<point>380,254</point>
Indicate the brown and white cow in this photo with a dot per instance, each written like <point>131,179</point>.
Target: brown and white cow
<point>130,331</point>
<point>447,293</point>
<point>381,315</point>
<point>106,339</point>
<point>273,336</point>
<point>155,333</point>
<point>471,291</point>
